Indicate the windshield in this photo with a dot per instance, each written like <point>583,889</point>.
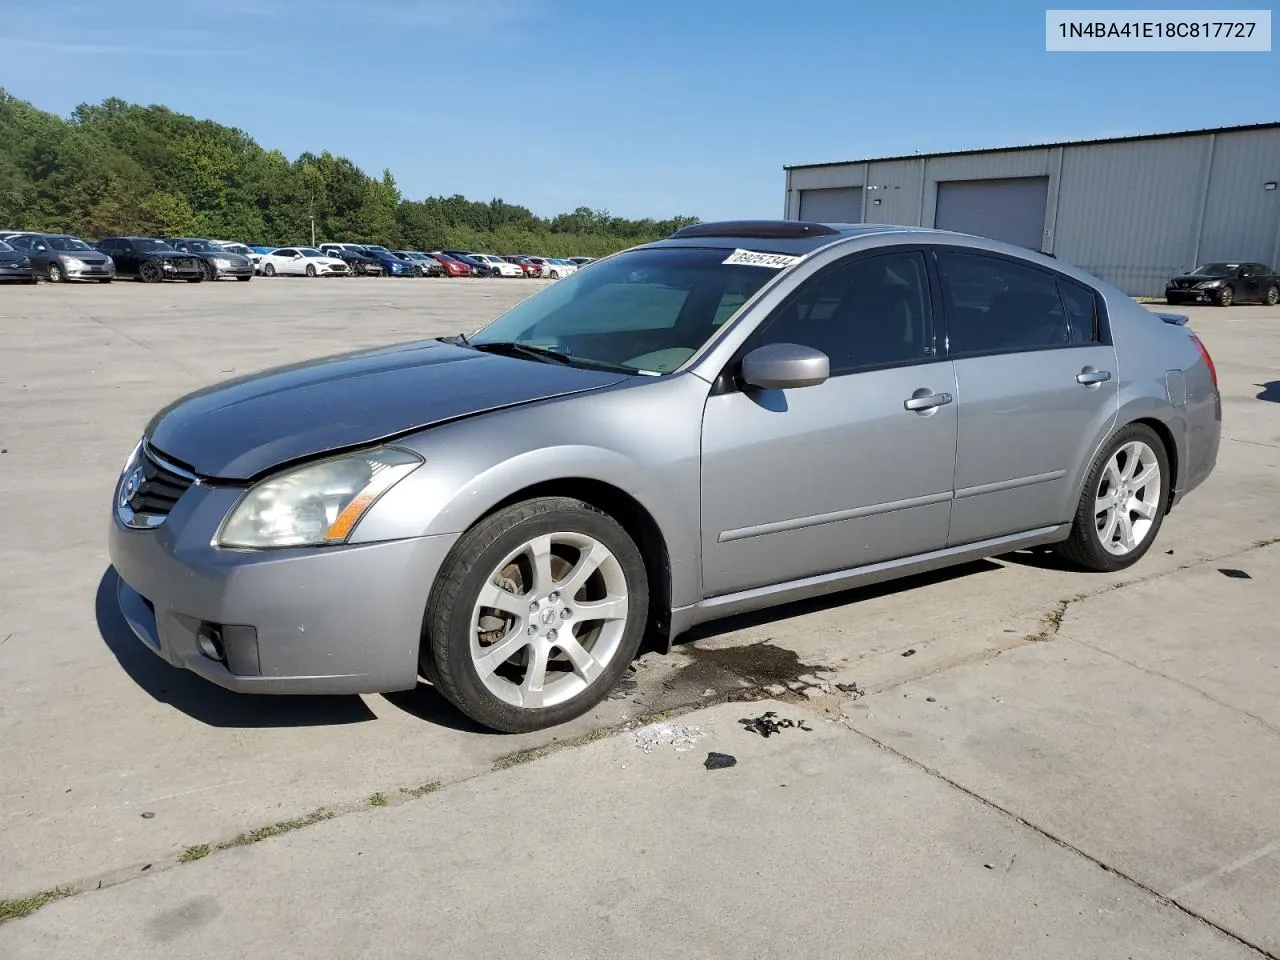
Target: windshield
<point>379,250</point>
<point>1211,269</point>
<point>308,252</point>
<point>648,310</point>
<point>239,248</point>
<point>146,243</point>
<point>68,243</point>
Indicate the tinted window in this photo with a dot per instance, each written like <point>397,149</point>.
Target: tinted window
<point>1082,312</point>
<point>867,312</point>
<point>22,243</point>
<point>998,305</point>
<point>286,252</point>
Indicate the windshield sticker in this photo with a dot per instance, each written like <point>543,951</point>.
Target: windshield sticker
<point>749,258</point>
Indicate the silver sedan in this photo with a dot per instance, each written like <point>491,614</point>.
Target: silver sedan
<point>740,415</point>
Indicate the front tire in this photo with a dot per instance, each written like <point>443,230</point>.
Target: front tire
<point>311,270</point>
<point>1272,296</point>
<point>55,273</point>
<point>150,272</point>
<point>1122,506</point>
<point>1226,297</point>
<point>536,614</point>
<point>269,270</point>
<point>206,271</point>
<point>555,275</point>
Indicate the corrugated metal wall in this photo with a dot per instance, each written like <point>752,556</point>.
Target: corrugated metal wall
<point>1134,213</point>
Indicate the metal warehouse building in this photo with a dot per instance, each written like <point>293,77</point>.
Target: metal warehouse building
<point>1132,210</point>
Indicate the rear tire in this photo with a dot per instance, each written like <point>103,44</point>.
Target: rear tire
<point>497,559</point>
<point>1098,532</point>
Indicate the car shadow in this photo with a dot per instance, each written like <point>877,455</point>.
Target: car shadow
<point>426,703</point>
<point>829,601</point>
<point>205,701</point>
<point>1270,391</point>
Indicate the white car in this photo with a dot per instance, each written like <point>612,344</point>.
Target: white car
<point>232,247</point>
<point>554,269</point>
<point>502,267</point>
<point>301,262</point>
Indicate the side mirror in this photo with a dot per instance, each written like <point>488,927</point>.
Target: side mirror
<point>785,366</point>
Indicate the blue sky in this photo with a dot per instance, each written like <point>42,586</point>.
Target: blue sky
<point>642,109</point>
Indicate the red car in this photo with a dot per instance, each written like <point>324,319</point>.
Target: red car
<point>452,267</point>
<point>530,268</point>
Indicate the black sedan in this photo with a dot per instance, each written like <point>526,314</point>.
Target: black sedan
<point>216,261</point>
<point>150,260</point>
<point>58,257</point>
<point>15,266</point>
<point>1224,283</point>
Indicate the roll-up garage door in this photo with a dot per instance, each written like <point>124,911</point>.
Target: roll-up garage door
<point>1011,210</point>
<point>831,205</point>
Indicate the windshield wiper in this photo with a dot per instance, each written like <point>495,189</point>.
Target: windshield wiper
<point>510,347</point>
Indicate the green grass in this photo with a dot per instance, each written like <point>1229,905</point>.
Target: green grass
<point>14,909</point>
<point>378,800</point>
<point>275,829</point>
<point>430,787</point>
<point>198,852</point>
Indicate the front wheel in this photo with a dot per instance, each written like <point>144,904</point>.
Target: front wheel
<point>1272,296</point>
<point>150,272</point>
<point>206,270</point>
<point>555,275</point>
<point>269,270</point>
<point>311,270</point>
<point>55,273</point>
<point>536,614</point>
<point>1123,502</point>
<point>1226,297</point>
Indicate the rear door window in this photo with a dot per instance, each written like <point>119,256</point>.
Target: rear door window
<point>996,305</point>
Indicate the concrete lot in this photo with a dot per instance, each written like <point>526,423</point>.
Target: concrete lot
<point>1076,720</point>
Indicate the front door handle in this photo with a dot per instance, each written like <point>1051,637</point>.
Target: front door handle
<point>1092,377</point>
<point>920,400</point>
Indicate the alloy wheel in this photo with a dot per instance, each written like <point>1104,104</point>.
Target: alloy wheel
<point>55,273</point>
<point>1128,499</point>
<point>1273,296</point>
<point>269,270</point>
<point>1226,297</point>
<point>549,620</point>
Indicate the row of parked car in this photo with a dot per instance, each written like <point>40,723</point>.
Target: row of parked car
<point>29,256</point>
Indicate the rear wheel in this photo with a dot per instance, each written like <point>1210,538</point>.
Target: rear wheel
<point>1226,297</point>
<point>536,614</point>
<point>1123,502</point>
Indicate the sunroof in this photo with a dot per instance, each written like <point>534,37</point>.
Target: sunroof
<point>764,229</point>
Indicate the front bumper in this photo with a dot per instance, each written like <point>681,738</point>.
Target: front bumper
<point>333,620</point>
<point>10,272</point>
<point>1179,295</point>
<point>90,271</point>
<point>234,270</point>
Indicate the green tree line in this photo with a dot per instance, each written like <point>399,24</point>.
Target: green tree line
<point>121,168</point>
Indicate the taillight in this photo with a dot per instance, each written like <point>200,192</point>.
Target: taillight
<point>1208,360</point>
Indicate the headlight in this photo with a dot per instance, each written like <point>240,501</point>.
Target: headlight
<point>166,265</point>
<point>320,503</point>
<point>1208,284</point>
<point>71,261</point>
<point>221,263</point>
<point>110,264</point>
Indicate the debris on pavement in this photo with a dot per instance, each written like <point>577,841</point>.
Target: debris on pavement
<point>627,686</point>
<point>769,723</point>
<point>147,815</point>
<point>719,761</point>
<point>909,653</point>
<point>852,689</point>
<point>681,737</point>
<point>1234,574</point>
<point>931,699</point>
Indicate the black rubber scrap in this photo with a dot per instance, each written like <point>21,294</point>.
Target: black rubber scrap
<point>719,761</point>
<point>853,689</point>
<point>769,723</point>
<point>1234,574</point>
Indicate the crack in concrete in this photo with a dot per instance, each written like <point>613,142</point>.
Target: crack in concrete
<point>939,775</point>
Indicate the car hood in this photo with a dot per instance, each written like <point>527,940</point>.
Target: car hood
<point>241,428</point>
<point>1202,277</point>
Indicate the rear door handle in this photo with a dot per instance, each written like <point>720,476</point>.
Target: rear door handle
<point>927,402</point>
<point>1090,377</point>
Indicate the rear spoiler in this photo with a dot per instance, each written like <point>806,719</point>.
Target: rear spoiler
<point>1174,318</point>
